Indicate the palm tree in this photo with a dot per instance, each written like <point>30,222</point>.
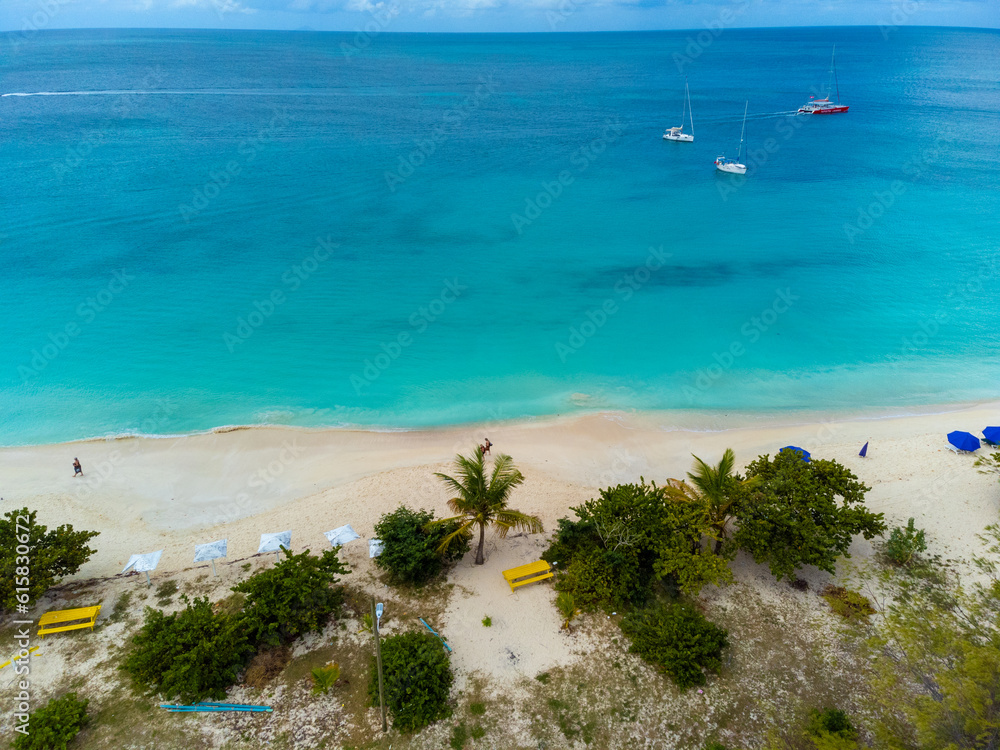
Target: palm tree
<point>716,487</point>
<point>481,501</point>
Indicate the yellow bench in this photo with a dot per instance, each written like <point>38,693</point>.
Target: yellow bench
<point>531,572</point>
<point>56,622</point>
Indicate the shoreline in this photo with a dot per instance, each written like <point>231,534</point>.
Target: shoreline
<point>147,494</point>
<point>679,420</point>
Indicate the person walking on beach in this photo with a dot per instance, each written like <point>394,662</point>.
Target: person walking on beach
<point>486,446</point>
<point>77,469</point>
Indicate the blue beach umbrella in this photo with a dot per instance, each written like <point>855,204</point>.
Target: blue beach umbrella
<point>992,435</point>
<point>864,450</point>
<point>964,441</point>
<point>803,451</point>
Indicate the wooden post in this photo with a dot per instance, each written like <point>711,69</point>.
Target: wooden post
<point>378,661</point>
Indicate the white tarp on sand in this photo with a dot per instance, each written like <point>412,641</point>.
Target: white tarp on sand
<point>144,563</point>
<point>274,542</point>
<point>341,535</point>
<point>210,551</point>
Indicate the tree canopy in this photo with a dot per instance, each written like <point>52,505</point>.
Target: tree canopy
<point>50,555</point>
<point>481,501</point>
<point>798,513</point>
<point>293,597</point>
<point>193,654</point>
<point>410,545</point>
<point>629,536</point>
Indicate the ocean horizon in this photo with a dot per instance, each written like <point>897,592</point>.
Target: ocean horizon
<point>394,231</point>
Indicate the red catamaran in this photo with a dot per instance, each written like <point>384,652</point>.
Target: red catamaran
<point>824,106</point>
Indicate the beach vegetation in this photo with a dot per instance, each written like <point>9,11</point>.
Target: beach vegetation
<point>34,559</point>
<point>717,488</point>
<point>487,622</point>
<point>417,680</point>
<point>989,464</point>
<point>410,553</point>
<point>165,592</point>
<point>480,501</point>
<point>628,537</point>
<point>567,608</point>
<point>324,678</point>
<point>54,725</point>
<point>904,545</point>
<point>830,723</point>
<point>296,596</point>
<point>851,605</point>
<point>936,659</point>
<point>266,664</point>
<point>678,639</point>
<point>192,654</point>
<point>799,513</point>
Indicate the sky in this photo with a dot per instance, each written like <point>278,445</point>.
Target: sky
<point>27,16</point>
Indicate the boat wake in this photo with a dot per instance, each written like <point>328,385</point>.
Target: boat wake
<point>172,92</point>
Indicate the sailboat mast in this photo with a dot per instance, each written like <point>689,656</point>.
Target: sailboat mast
<point>833,63</point>
<point>743,131</point>
<point>687,93</point>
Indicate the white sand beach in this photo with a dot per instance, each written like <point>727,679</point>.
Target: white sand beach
<point>147,494</point>
<point>144,493</point>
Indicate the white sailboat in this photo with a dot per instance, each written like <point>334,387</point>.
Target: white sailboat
<point>735,167</point>
<point>677,134</point>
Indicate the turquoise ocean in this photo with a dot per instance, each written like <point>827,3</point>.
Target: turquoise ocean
<point>205,228</point>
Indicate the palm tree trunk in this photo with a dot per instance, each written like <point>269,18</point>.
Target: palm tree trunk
<point>482,541</point>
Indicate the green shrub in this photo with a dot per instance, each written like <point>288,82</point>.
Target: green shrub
<point>192,654</point>
<point>850,605</point>
<point>293,597</point>
<point>627,538</point>
<point>53,726</point>
<point>478,732</point>
<point>677,638</point>
<point>567,607</point>
<point>324,678</point>
<point>165,592</point>
<point>830,721</point>
<point>54,555</point>
<point>477,709</point>
<point>410,546</point>
<point>904,545</point>
<point>599,578</point>
<point>416,678</point>
<point>487,622</point>
<point>459,736</point>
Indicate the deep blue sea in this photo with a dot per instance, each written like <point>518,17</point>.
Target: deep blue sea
<point>204,228</point>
